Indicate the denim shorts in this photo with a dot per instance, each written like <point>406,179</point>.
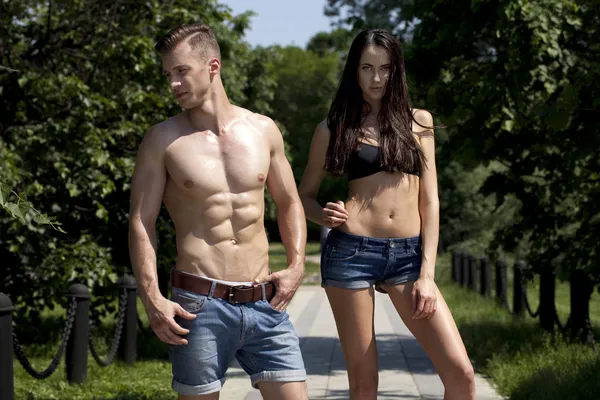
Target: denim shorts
<point>261,338</point>
<point>358,262</point>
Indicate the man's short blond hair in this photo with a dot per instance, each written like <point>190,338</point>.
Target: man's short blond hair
<point>199,37</point>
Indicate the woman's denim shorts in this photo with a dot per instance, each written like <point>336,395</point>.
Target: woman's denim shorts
<point>357,262</point>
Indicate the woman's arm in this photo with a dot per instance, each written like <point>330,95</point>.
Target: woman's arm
<point>311,182</point>
<point>429,205</point>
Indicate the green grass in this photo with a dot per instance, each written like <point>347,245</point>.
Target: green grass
<point>278,260</point>
<point>150,379</point>
<point>523,361</point>
<point>562,300</point>
<point>562,292</point>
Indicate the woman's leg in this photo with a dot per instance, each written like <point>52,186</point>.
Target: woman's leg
<point>353,310</point>
<point>441,340</point>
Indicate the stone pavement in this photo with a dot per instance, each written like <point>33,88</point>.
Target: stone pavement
<point>405,370</point>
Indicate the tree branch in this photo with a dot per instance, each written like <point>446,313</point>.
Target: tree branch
<point>49,21</point>
<point>8,69</point>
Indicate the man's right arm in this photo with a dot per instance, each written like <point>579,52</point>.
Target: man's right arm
<point>147,188</point>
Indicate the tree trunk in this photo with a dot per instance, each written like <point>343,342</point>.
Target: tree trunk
<point>581,291</point>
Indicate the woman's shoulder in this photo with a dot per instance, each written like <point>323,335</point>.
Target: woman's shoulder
<point>322,131</point>
<point>424,120</point>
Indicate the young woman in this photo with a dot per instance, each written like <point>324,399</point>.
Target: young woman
<point>385,236</point>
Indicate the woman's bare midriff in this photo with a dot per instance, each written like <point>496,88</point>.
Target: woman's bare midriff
<point>383,205</point>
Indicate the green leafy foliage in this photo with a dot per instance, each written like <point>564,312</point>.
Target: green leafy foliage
<point>21,209</point>
<point>80,86</point>
<point>517,84</point>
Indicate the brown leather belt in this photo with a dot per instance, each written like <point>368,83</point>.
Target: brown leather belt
<point>232,294</point>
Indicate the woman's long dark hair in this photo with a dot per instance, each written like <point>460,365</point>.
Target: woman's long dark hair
<point>399,148</point>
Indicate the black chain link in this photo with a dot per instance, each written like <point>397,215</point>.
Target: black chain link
<point>56,360</point>
<point>117,336</point>
<point>527,307</point>
<point>561,327</point>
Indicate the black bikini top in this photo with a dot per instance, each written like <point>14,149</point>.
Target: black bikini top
<point>366,160</point>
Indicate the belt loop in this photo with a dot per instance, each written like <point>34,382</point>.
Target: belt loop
<point>408,246</point>
<point>212,289</point>
<point>363,244</point>
<point>264,291</point>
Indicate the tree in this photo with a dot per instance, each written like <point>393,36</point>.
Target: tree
<point>327,43</point>
<point>518,80</point>
<point>306,82</point>
<point>80,85</point>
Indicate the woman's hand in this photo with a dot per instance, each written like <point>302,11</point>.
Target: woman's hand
<point>334,214</point>
<point>424,298</point>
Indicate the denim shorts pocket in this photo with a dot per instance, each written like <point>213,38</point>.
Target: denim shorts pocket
<point>341,253</point>
<point>192,303</point>
<point>268,304</point>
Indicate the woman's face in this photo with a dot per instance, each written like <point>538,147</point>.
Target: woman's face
<point>373,72</point>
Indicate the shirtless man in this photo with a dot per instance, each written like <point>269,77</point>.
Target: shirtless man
<point>209,165</point>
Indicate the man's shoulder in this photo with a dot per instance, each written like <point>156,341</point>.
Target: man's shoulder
<point>158,137</point>
<point>261,122</point>
<point>162,133</point>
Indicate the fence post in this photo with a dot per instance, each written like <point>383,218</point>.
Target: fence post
<point>7,390</point>
<point>485,278</point>
<point>501,285</point>
<point>128,345</point>
<point>77,346</point>
<point>473,273</point>
<point>579,320</point>
<point>518,288</point>
<point>464,282</point>
<point>547,294</point>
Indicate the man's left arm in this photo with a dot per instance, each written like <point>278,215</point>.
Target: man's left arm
<point>290,219</point>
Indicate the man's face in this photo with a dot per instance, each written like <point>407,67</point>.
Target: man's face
<point>188,74</point>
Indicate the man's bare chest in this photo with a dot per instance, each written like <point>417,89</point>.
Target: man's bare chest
<point>236,163</point>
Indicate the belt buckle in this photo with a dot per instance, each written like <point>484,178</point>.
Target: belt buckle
<point>230,295</point>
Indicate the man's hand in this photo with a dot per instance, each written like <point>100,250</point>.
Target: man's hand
<point>286,283</point>
<point>161,314</point>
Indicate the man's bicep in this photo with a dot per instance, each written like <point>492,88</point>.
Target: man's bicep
<point>148,182</point>
<point>280,180</point>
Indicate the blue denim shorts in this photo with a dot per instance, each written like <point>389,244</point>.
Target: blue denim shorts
<point>261,338</point>
<point>357,262</point>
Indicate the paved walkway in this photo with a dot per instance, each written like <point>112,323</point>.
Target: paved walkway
<point>405,370</point>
